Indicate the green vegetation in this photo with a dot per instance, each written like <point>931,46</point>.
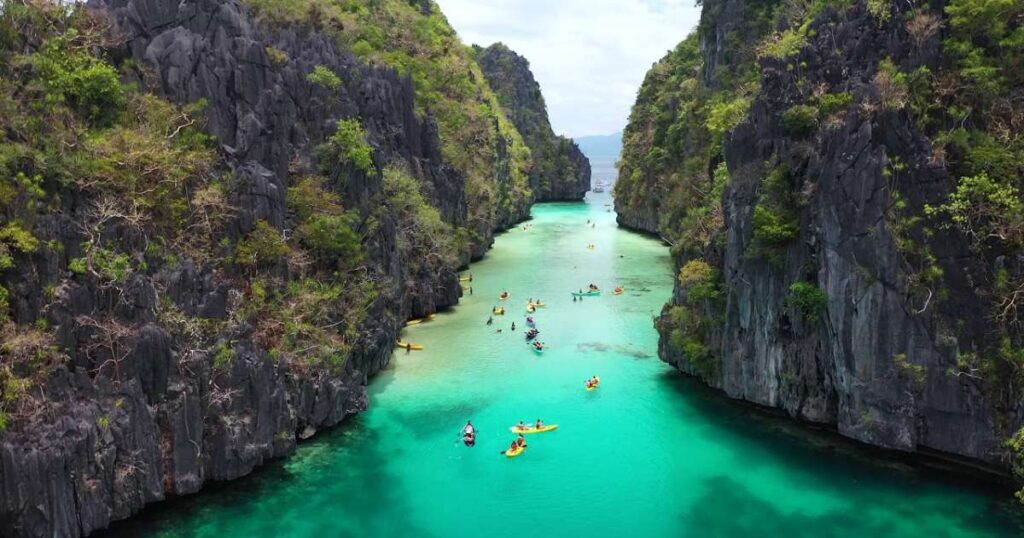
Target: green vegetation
<point>891,84</point>
<point>776,217</point>
<point>4,306</point>
<point>279,57</point>
<point>800,121</point>
<point>263,247</point>
<point>881,10</point>
<point>224,357</point>
<point>324,227</point>
<point>428,241</point>
<point>806,299</point>
<point>691,324</point>
<point>724,116</point>
<point>521,99</point>
<point>14,238</point>
<point>69,74</point>
<point>477,137</point>
<point>348,147</point>
<point>915,372</point>
<point>322,76</point>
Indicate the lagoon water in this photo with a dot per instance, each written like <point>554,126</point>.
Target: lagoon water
<point>650,453</point>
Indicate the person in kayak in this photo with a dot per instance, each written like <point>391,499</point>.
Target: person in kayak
<point>522,426</point>
<point>513,326</point>
<point>515,446</point>
<point>490,320</point>
<point>470,429</point>
<point>469,439</point>
<point>540,424</point>
<point>521,441</point>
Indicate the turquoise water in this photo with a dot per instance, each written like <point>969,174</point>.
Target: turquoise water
<point>648,454</point>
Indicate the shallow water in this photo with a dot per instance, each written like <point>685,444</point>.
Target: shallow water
<point>648,454</point>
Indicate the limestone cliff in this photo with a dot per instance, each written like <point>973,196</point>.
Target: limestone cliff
<point>215,221</point>
<point>560,170</point>
<point>826,173</point>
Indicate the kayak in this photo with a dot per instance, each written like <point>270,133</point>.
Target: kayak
<point>537,305</point>
<point>618,291</point>
<point>548,428</point>
<point>513,452</point>
<point>466,279</point>
<point>407,345</point>
<point>431,317</point>
<point>594,387</point>
<point>505,297</point>
<point>537,350</point>
<point>499,311</point>
<point>587,293</point>
<point>530,309</point>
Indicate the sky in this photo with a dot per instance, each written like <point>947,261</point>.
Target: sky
<point>589,56</point>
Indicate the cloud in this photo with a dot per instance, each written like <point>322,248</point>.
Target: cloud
<point>589,56</point>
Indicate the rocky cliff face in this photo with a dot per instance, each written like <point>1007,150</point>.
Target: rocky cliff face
<point>560,171</point>
<point>829,273</point>
<point>141,362</point>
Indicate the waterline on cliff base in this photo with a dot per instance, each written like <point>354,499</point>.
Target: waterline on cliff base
<point>648,454</point>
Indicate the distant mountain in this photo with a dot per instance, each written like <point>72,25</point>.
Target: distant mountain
<point>601,146</point>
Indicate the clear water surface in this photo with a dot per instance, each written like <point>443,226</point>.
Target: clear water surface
<point>648,454</point>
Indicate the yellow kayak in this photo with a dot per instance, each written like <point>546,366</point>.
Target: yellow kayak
<point>421,320</point>
<point>538,305</point>
<point>408,345</point>
<point>513,452</point>
<point>531,309</point>
<point>594,387</point>
<point>499,311</point>
<point>548,428</point>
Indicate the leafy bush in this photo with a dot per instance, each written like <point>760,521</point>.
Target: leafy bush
<point>699,281</point>
<point>110,265</point>
<point>800,121</point>
<point>310,196</point>
<point>985,208</point>
<point>348,146</point>
<point>224,357</point>
<point>774,229</point>
<point>915,372</point>
<point>891,84</point>
<point>807,299</point>
<point>70,74</point>
<point>4,306</point>
<point>784,45</point>
<point>831,103</point>
<point>427,239</point>
<point>279,57</point>
<point>881,10</point>
<point>262,247</point>
<point>14,237</point>
<point>334,238</point>
<point>724,116</point>
<point>323,76</point>
<point>686,335</point>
